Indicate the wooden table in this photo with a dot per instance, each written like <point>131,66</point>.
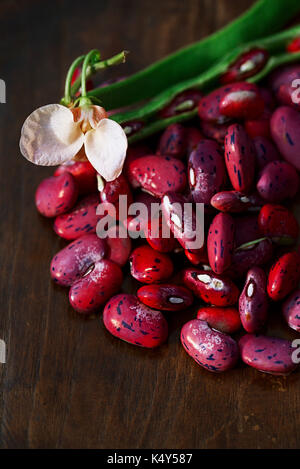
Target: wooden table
<point>67,383</point>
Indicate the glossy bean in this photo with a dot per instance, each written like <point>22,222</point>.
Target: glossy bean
<point>211,349</point>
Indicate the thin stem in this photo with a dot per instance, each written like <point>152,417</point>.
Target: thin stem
<point>88,58</point>
<point>67,99</point>
<point>93,68</point>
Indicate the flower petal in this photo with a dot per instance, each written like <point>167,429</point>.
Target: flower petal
<point>106,147</point>
<point>50,136</point>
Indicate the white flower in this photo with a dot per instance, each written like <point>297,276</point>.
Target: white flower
<point>54,134</point>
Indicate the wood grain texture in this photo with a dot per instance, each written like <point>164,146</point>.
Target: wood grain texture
<point>67,383</point>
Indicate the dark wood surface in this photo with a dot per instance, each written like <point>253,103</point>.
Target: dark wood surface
<point>67,383</point>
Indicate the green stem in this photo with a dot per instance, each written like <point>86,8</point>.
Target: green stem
<point>93,68</point>
<point>67,99</point>
<point>251,244</point>
<point>88,58</point>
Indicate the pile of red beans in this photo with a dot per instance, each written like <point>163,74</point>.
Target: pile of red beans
<point>241,160</point>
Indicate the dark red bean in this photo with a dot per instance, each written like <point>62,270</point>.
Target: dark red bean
<point>253,302</point>
<point>278,181</point>
<point>236,202</point>
<point>183,102</point>
<point>239,158</point>
<point>225,320</point>
<point>84,174</point>
<point>150,266</point>
<point>158,174</point>
<point>244,101</point>
<point>166,297</point>
<point>56,195</point>
<point>92,291</point>
<point>206,171</point>
<point>267,354</point>
<point>173,142</point>
<point>72,262</point>
<point>130,320</point>
<point>278,223</point>
<point>211,349</point>
<point>265,152</point>
<point>210,287</point>
<point>284,276</point>
<point>220,242</point>
<point>246,66</point>
<point>82,219</point>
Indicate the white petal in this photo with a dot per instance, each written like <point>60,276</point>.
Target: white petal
<point>50,136</point>
<point>106,147</point>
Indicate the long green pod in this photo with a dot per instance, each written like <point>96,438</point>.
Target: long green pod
<point>160,124</point>
<point>264,18</point>
<point>274,44</point>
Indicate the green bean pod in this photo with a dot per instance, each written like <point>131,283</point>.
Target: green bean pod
<point>206,81</point>
<point>265,17</point>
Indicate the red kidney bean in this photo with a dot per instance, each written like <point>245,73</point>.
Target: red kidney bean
<point>246,229</point>
<point>193,138</point>
<point>206,171</point>
<point>267,354</point>
<point>84,174</point>
<point>253,302</point>
<point>132,127</point>
<point>139,222</point>
<point>166,297</point>
<point>173,142</point>
<point>157,174</point>
<point>79,221</point>
<point>284,276</point>
<point>150,266</point>
<point>259,127</point>
<point>209,106</point>
<point>183,102</point>
<point>197,257</point>
<point>278,181</point>
<point>284,75</point>
<point>288,95</point>
<point>236,202</point>
<point>278,223</point>
<point>210,287</point>
<point>213,350</point>
<point>244,259</point>
<point>244,101</point>
<point>119,247</point>
<point>294,46</point>
<point>129,320</point>
<point>225,320</point>
<point>113,190</point>
<point>285,128</point>
<point>214,131</point>
<point>266,152</point>
<point>291,310</point>
<point>71,263</point>
<point>56,195</point>
<point>239,158</point>
<point>134,152</point>
<point>92,291</point>
<point>173,212</point>
<point>156,228</point>
<point>220,242</point>
<point>246,66</point>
